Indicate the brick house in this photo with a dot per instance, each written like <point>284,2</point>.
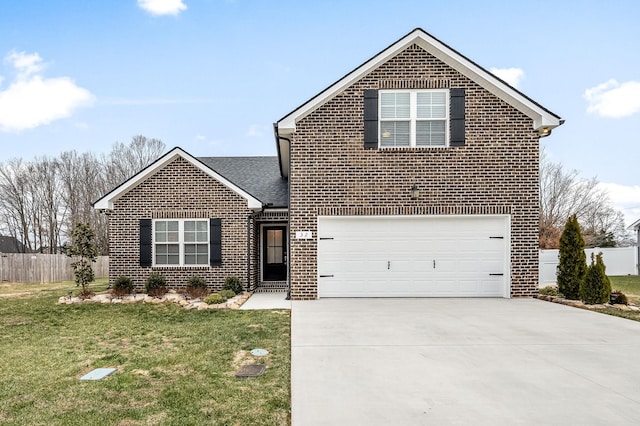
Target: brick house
<point>415,175</point>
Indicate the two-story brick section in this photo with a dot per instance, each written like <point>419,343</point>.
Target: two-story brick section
<point>415,175</point>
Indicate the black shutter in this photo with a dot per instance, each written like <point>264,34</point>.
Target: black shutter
<point>370,119</point>
<point>145,243</point>
<point>457,117</point>
<point>215,241</point>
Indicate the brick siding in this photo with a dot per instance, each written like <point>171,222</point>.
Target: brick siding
<point>179,190</point>
<point>496,171</point>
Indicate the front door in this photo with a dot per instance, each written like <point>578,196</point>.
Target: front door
<point>274,253</point>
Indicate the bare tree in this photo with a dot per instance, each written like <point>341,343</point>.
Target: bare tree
<point>126,160</point>
<point>562,194</point>
<point>16,200</point>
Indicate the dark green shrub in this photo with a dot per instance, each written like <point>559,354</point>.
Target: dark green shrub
<point>196,287</point>
<point>549,291</point>
<point>122,285</point>
<point>572,267</point>
<point>156,285</point>
<point>596,287</point>
<point>227,294</point>
<point>213,299</point>
<point>618,298</point>
<point>232,283</point>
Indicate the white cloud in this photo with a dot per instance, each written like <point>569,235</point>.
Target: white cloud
<point>32,100</point>
<point>625,198</point>
<point>256,130</point>
<point>510,75</point>
<point>162,7</point>
<point>613,99</point>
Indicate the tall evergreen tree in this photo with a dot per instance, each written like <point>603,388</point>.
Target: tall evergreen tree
<point>573,262</point>
<point>596,287</point>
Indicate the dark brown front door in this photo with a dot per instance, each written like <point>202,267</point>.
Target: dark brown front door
<point>274,253</point>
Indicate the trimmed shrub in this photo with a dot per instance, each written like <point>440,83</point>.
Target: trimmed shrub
<point>596,287</point>
<point>197,287</point>
<point>572,267</point>
<point>156,285</point>
<point>213,299</point>
<point>122,285</point>
<point>227,294</point>
<point>233,283</point>
<point>549,291</point>
<point>618,298</point>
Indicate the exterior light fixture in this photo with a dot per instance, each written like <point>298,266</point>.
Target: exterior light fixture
<point>544,132</point>
<point>70,293</point>
<point>415,192</point>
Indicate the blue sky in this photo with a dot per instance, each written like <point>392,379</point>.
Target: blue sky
<point>212,76</point>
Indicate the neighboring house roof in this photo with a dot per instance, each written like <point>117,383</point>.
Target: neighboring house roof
<point>106,202</point>
<point>543,119</point>
<point>11,245</point>
<point>259,176</point>
<point>635,225</point>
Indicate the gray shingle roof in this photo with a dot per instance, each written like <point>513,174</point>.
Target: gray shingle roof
<point>259,176</point>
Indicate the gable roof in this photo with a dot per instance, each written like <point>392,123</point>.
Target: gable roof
<point>106,202</point>
<point>635,226</point>
<point>259,176</point>
<point>11,245</point>
<point>543,119</point>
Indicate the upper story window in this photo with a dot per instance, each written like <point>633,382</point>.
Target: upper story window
<point>180,242</point>
<point>413,118</point>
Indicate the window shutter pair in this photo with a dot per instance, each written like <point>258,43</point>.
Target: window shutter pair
<point>146,242</point>
<point>456,118</point>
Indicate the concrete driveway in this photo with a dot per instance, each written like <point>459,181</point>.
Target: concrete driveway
<point>461,361</point>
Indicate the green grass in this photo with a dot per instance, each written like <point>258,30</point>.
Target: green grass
<point>175,367</point>
<point>629,285</point>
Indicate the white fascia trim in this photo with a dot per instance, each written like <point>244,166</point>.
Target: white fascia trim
<point>106,202</point>
<point>541,118</point>
<point>635,225</point>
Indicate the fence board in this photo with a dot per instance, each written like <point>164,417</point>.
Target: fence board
<point>619,261</point>
<point>44,268</point>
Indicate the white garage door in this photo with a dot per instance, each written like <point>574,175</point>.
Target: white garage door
<point>413,256</point>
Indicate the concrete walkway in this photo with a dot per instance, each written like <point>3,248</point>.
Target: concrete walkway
<point>461,361</point>
<point>275,300</point>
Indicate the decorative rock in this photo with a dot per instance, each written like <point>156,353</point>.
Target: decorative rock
<point>183,303</point>
<point>155,300</point>
<point>116,300</point>
<point>203,306</point>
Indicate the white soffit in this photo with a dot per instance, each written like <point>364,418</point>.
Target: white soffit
<point>106,202</point>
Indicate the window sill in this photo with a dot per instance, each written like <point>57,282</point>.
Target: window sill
<point>179,267</point>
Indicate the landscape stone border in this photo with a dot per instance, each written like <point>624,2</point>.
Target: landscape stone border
<point>580,304</point>
<point>171,297</point>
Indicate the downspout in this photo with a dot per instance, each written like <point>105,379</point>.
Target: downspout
<point>249,218</point>
<point>278,137</point>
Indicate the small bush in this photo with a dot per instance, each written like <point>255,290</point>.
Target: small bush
<point>618,298</point>
<point>196,287</point>
<point>596,287</point>
<point>549,291</point>
<point>213,299</point>
<point>156,285</point>
<point>233,283</point>
<point>122,285</point>
<point>227,294</point>
<point>572,266</point>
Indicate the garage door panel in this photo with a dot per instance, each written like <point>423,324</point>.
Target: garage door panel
<point>394,256</point>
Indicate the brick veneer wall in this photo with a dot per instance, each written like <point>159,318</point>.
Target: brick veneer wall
<point>179,190</point>
<point>496,172</point>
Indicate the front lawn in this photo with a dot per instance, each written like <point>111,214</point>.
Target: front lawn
<point>175,366</point>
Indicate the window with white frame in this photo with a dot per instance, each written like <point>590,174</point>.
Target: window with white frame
<point>413,118</point>
<point>180,242</point>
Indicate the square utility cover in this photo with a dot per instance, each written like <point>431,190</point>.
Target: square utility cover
<point>250,371</point>
<point>98,374</point>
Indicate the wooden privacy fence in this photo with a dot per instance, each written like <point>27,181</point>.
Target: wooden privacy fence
<point>44,268</point>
